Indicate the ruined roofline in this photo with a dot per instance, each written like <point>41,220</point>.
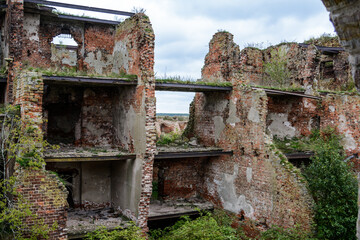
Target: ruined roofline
<point>189,87</point>
<point>175,155</point>
<point>274,92</point>
<point>331,50</point>
<point>87,19</point>
<point>80,7</point>
<point>97,80</point>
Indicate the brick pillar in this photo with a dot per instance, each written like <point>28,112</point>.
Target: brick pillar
<point>148,162</point>
<point>14,22</point>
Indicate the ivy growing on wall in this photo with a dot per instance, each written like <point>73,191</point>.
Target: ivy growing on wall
<point>22,144</point>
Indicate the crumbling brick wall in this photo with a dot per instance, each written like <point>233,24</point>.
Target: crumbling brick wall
<point>292,116</point>
<point>134,54</point>
<point>308,67</point>
<point>342,112</point>
<point>180,178</point>
<point>254,182</point>
<point>95,43</point>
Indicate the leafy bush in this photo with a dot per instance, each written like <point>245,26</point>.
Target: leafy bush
<point>333,187</point>
<point>204,227</point>
<point>130,233</point>
<point>276,69</point>
<point>168,138</point>
<point>279,233</point>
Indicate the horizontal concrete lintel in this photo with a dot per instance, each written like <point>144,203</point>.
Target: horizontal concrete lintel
<point>80,7</point>
<point>90,159</point>
<point>87,19</point>
<point>299,155</point>
<point>181,87</point>
<point>172,155</point>
<point>273,92</point>
<point>112,81</point>
<point>175,215</point>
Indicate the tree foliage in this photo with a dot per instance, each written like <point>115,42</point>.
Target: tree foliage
<point>333,186</point>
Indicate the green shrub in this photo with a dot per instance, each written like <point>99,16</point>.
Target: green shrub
<point>276,69</point>
<point>130,233</point>
<point>168,138</point>
<point>204,227</point>
<point>279,233</point>
<point>334,188</point>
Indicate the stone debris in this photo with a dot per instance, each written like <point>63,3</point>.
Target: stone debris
<point>67,150</point>
<point>81,221</point>
<point>179,206</point>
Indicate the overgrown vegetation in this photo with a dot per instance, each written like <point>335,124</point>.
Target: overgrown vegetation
<point>286,89</point>
<point>178,79</point>
<point>131,232</point>
<point>333,186</point>
<point>296,144</point>
<point>73,72</point>
<point>204,227</point>
<point>167,138</point>
<point>331,182</point>
<point>221,225</point>
<point>21,141</point>
<point>276,69</point>
<point>12,215</point>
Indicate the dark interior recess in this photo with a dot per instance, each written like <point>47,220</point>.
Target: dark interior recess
<point>327,70</point>
<point>62,119</point>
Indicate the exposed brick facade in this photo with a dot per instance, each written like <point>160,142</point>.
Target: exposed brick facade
<point>47,200</point>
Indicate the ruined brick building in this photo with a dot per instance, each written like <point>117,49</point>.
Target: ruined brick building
<point>105,126</point>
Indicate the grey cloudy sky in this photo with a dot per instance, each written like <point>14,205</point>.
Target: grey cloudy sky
<point>184,28</point>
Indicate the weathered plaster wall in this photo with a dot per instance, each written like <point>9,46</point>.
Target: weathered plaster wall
<point>291,116</point>
<point>100,184</point>
<point>129,118</point>
<point>63,56</point>
<point>125,187</point>
<point>214,107</point>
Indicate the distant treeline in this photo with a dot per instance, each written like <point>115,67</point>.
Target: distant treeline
<point>173,114</point>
